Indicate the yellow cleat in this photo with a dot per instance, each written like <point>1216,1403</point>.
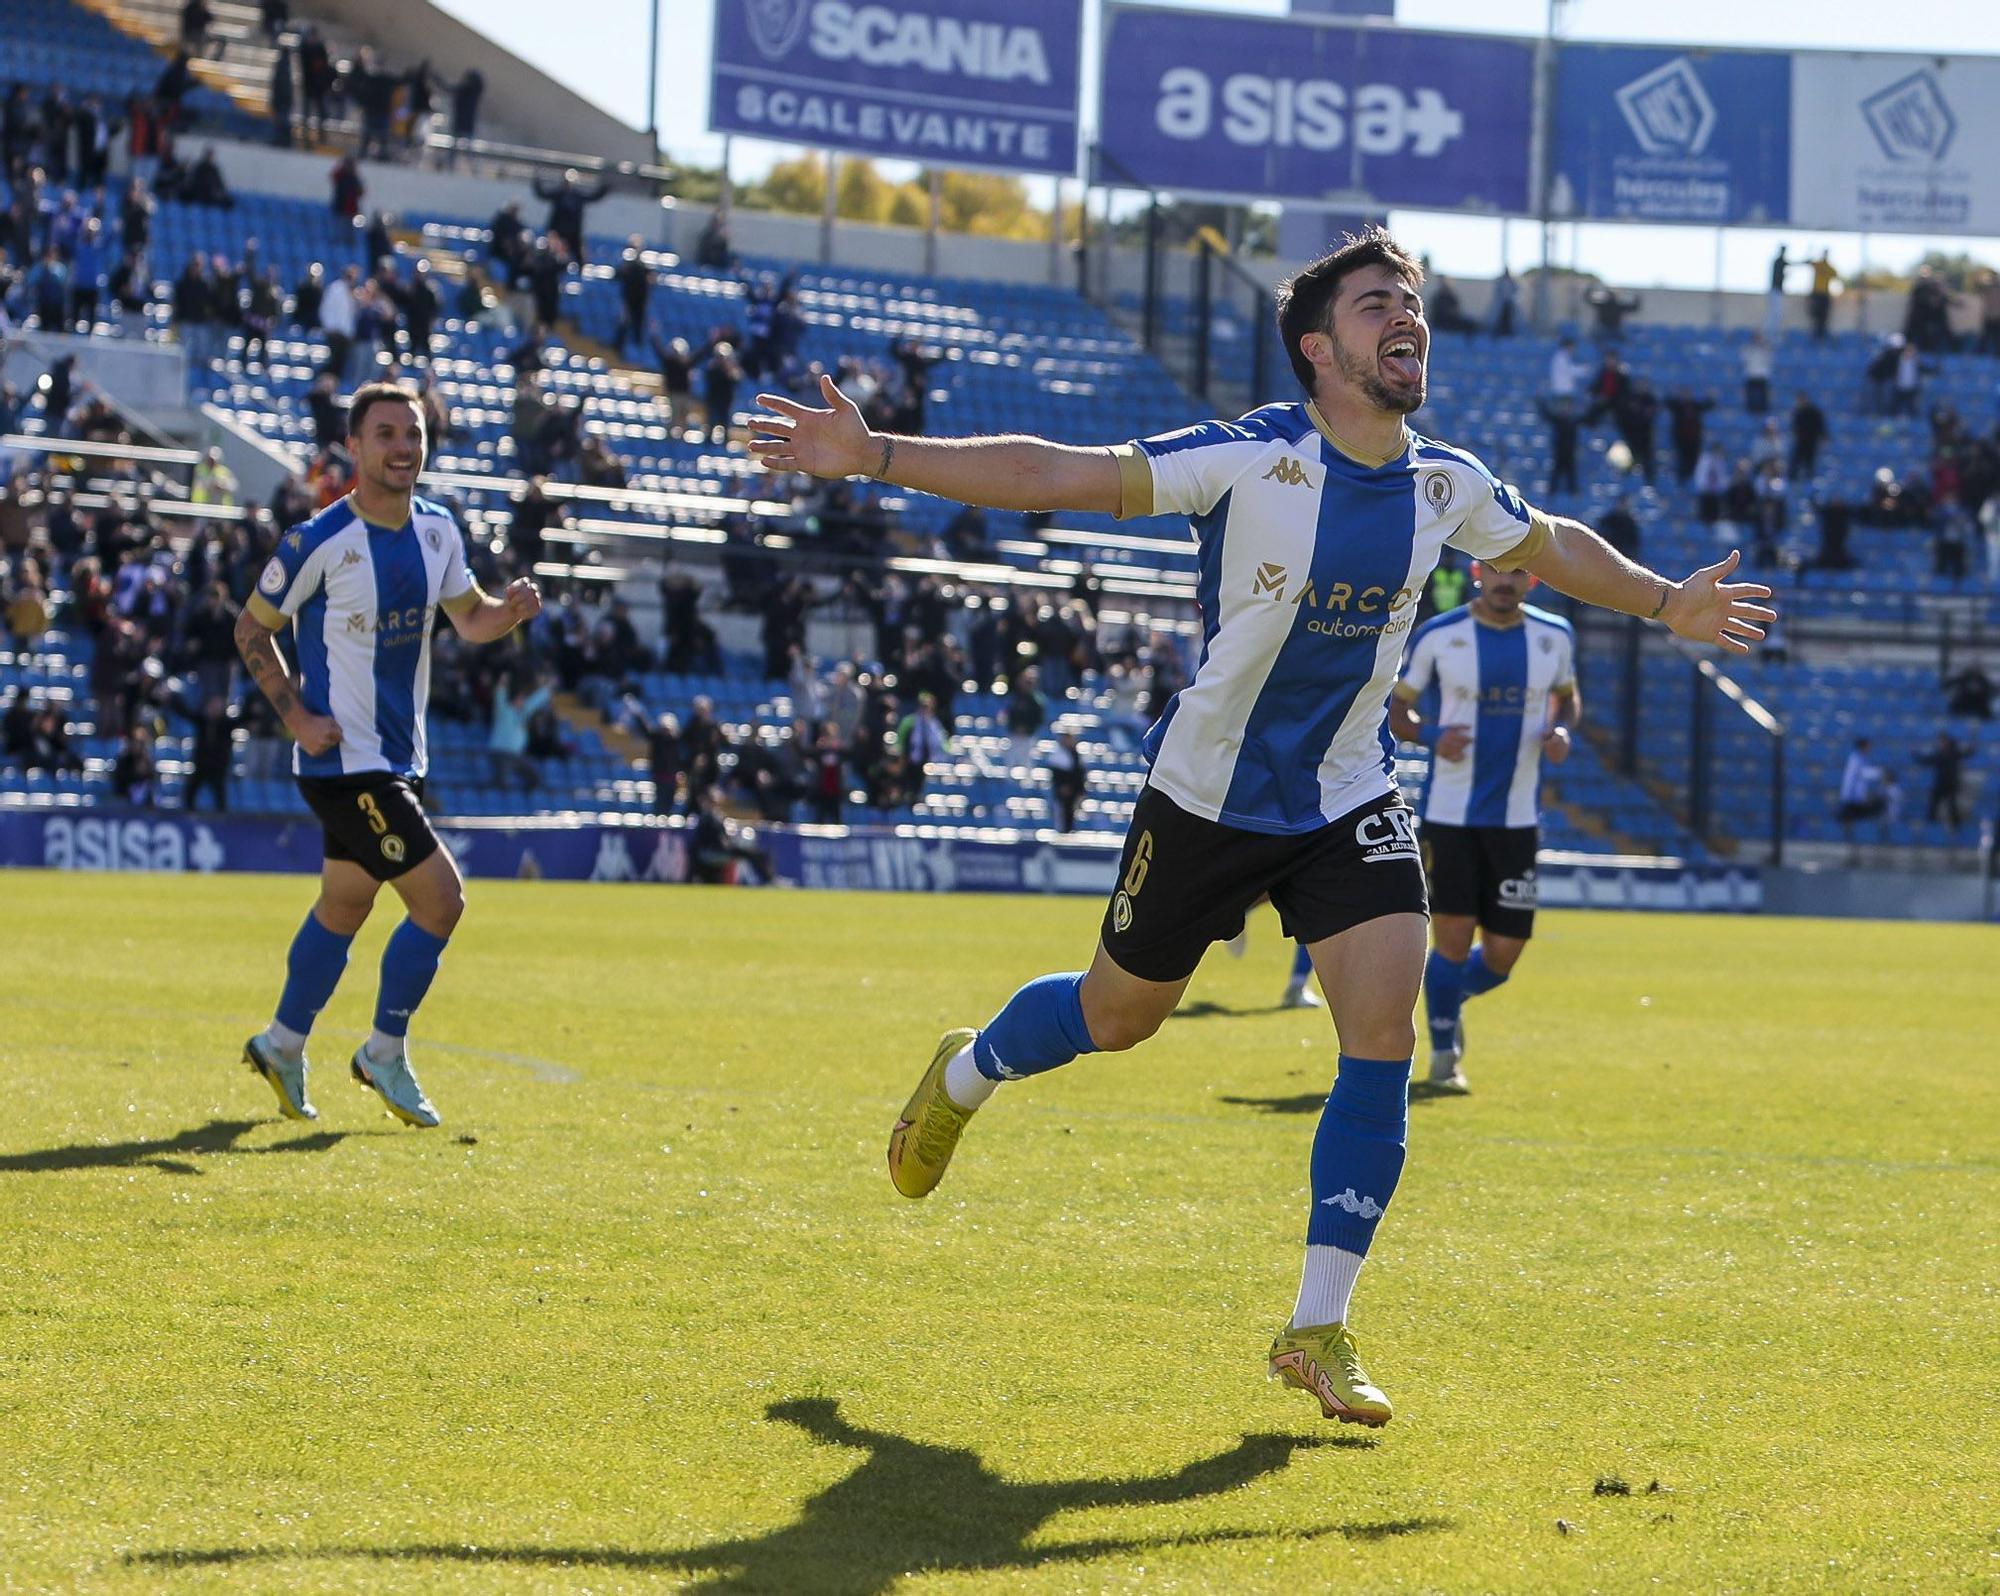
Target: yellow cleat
<point>927,1133</point>
<point>1324,1361</point>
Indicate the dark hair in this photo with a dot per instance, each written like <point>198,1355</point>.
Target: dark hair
<point>1305,299</point>
<point>371,394</point>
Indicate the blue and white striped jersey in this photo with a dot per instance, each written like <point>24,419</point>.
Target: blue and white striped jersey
<point>1496,681</point>
<point>360,599</point>
<point>1311,562</point>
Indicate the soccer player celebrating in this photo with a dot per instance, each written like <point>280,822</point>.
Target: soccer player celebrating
<point>1505,675</point>
<point>359,584</point>
<point>1317,524</point>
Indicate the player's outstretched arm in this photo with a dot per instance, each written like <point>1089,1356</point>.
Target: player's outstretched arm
<point>1705,608</point>
<point>1009,473</point>
<point>488,619</point>
<point>258,644</point>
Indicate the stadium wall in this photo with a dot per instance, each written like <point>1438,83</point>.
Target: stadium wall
<point>856,858</point>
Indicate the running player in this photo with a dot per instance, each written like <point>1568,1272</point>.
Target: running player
<point>358,585</point>
<point>1504,674</point>
<point>1317,524</point>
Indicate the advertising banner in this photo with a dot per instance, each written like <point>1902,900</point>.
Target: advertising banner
<point>858,858</point>
<point>989,83</point>
<point>1663,135</point>
<point>1896,143</point>
<point>1321,112</point>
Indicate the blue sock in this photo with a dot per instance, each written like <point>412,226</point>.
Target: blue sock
<point>1444,993</point>
<point>1357,1153</point>
<point>409,963</point>
<point>1041,1028</point>
<point>312,971</point>
<point>1302,963</point>
<point>1478,978</point>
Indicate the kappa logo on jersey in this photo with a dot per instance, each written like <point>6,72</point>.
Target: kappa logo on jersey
<point>1546,644</point>
<point>351,557</point>
<point>1292,473</point>
<point>1387,834</point>
<point>273,579</point>
<point>1437,490</point>
<point>295,541</point>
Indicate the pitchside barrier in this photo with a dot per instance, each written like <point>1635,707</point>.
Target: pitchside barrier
<point>862,858</point>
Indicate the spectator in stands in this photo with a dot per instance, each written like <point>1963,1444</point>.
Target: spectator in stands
<point>1989,313</point>
<point>1027,711</point>
<point>1636,413</point>
<point>548,265</point>
<point>719,378</point>
<point>714,849</point>
<point>174,84</point>
<point>214,482</point>
<point>420,91</point>
<point>1067,778</point>
<point>1946,763</point>
<point>1620,529</point>
<point>1611,308</point>
<point>282,96</point>
<point>317,77</point>
<point>214,748</point>
<point>420,308</point>
<point>133,774</point>
<point>89,274</point>
<point>597,466</point>
<point>208,639</point>
<point>1566,371</point>
<point>691,642</point>
<point>702,742</point>
<point>1685,425</point>
<point>676,363</point>
<point>1970,693</point>
<point>340,320</point>
<point>829,775</point>
<point>782,773</point>
<point>507,734</point>
<point>1447,313</point>
<point>275,16</point>
<point>1809,431</point>
<point>197,23</point>
<point>1757,365</point>
<point>924,741</point>
<point>49,292</point>
<point>664,762</point>
<point>1564,425</point>
<point>1927,319</point>
<point>372,88</point>
<point>1951,542</point>
<point>569,196</point>
<point>1506,300</point>
<point>1774,301</point>
<point>348,189</point>
<point>1819,301</point>
<point>635,288</point>
<point>49,747</point>
<point>1907,382</point>
<point>1989,526</point>
<point>1773,514</point>
<point>712,249</point>
<point>55,388</point>
<point>1864,789</point>
<point>466,94</point>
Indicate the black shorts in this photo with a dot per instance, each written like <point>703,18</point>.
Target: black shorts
<point>1184,882</point>
<point>1487,872</point>
<point>375,820</point>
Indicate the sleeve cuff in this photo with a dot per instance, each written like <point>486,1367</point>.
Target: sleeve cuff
<point>459,603</point>
<point>268,615</point>
<point>1540,532</point>
<point>1135,481</point>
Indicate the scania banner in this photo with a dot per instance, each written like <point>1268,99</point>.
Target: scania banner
<point>987,83</point>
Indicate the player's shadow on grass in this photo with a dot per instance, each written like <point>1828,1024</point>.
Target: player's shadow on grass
<point>169,1154</point>
<point>1313,1102</point>
<point>1209,1009</point>
<point>909,1506</point>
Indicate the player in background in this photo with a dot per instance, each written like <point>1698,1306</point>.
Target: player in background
<point>1317,525</point>
<point>358,586</point>
<point>1504,674</point>
<point>1298,990</point>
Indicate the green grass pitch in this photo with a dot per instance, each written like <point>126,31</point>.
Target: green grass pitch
<point>646,1314</point>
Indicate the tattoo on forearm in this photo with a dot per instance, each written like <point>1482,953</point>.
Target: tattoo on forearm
<point>259,649</point>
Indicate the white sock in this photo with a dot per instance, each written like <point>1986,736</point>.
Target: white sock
<point>1326,1286</point>
<point>384,1046</point>
<point>287,1041</point>
<point>963,1083</point>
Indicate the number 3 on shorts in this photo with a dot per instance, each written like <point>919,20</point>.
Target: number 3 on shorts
<point>377,821</point>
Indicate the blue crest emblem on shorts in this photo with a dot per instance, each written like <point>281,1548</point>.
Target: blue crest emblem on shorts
<point>776,25</point>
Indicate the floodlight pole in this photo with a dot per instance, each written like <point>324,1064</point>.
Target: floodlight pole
<point>653,76</point>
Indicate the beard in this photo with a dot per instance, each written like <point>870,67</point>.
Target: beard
<point>1366,374</point>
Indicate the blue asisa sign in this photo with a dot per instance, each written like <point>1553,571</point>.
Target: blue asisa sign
<point>988,83</point>
<point>1337,112</point>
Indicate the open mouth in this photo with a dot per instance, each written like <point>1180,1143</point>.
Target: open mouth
<point>1401,361</point>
